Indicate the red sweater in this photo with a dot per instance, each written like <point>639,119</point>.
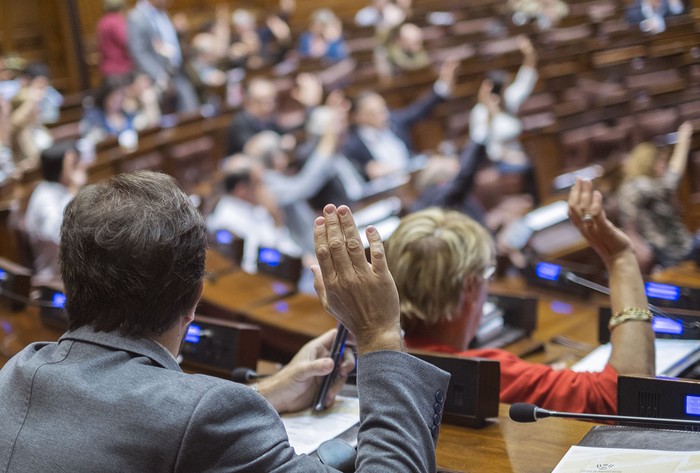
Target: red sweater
<point>564,390</point>
<point>113,45</point>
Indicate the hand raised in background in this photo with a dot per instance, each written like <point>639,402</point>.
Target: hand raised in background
<point>587,213</point>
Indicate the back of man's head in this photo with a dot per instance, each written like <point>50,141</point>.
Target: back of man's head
<point>431,255</point>
<point>52,160</point>
<point>132,255</point>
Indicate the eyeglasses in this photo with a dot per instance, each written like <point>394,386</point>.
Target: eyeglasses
<point>488,272</point>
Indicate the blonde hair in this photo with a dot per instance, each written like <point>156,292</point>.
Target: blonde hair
<point>641,161</point>
<point>431,255</point>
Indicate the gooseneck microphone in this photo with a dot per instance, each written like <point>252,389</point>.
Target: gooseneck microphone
<point>523,412</point>
<point>245,375</point>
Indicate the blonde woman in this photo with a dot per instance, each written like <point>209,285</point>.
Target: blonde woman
<point>647,199</point>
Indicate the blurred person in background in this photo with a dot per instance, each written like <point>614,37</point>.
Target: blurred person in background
<point>112,40</point>
<point>324,39</point>
<point>249,211</point>
<point>379,141</point>
<point>648,203</point>
<point>123,104</point>
<point>62,175</point>
<point>154,46</point>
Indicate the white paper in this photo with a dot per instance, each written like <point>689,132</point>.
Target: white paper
<point>623,460</point>
<point>668,353</point>
<point>309,429</point>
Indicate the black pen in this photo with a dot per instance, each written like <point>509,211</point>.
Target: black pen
<point>336,354</point>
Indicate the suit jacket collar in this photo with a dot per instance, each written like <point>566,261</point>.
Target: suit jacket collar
<point>140,346</point>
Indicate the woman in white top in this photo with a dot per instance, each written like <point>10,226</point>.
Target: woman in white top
<point>493,120</point>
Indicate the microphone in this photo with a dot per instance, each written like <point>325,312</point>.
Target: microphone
<point>245,375</point>
<point>524,412</point>
<point>571,277</point>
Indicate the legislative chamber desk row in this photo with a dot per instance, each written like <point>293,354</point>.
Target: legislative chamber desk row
<point>501,446</point>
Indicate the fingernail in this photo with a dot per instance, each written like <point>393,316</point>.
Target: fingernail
<point>329,209</point>
<point>320,221</point>
<point>343,210</point>
<point>371,229</point>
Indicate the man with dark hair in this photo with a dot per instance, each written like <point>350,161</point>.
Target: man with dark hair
<point>260,113</point>
<point>42,221</point>
<point>379,140</point>
<point>110,396</point>
<point>249,211</point>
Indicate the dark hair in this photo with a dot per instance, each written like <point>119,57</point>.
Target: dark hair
<point>37,69</point>
<point>356,101</point>
<point>109,85</point>
<point>132,255</point>
<point>231,180</point>
<point>52,160</point>
<point>498,79</point>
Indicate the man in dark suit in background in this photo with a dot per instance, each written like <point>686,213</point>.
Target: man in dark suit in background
<point>379,142</point>
<point>110,396</point>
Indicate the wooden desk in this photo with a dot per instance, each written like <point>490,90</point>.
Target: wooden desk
<point>506,446</point>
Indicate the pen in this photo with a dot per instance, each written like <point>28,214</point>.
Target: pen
<point>336,354</point>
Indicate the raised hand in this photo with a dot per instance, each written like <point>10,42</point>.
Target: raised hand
<point>361,295</point>
<point>587,213</point>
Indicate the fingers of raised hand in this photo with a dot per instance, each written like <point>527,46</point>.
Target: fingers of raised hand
<point>336,243</point>
<point>376,251</point>
<point>352,239</point>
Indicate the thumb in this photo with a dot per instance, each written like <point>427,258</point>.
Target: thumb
<point>312,369</point>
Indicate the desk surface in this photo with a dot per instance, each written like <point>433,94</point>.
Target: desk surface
<point>505,446</point>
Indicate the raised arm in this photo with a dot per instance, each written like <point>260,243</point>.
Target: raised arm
<point>397,391</point>
<point>679,158</point>
<point>632,339</point>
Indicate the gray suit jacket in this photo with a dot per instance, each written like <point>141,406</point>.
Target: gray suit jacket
<point>101,402</point>
<point>141,35</point>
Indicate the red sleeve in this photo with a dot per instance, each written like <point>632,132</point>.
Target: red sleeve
<point>564,390</point>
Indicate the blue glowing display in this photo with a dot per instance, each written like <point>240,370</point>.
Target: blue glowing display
<point>548,271</point>
<point>692,405</point>
<point>270,256</point>
<point>193,333</point>
<point>3,275</point>
<point>58,300</point>
<point>224,237</point>
<point>663,291</point>
<point>667,326</point>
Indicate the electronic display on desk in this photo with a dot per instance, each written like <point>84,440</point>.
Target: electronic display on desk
<point>548,271</point>
<point>660,397</point>
<point>662,291</point>
<point>14,284</point>
<point>270,257</point>
<point>52,312</point>
<point>664,325</point>
<point>692,405</point>
<point>223,237</point>
<point>59,300</point>
<point>193,333</point>
<point>672,296</point>
<point>228,244</point>
<point>279,265</point>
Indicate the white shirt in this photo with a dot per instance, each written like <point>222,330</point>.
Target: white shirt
<point>385,147</point>
<point>501,135</point>
<point>43,222</point>
<point>254,225</point>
